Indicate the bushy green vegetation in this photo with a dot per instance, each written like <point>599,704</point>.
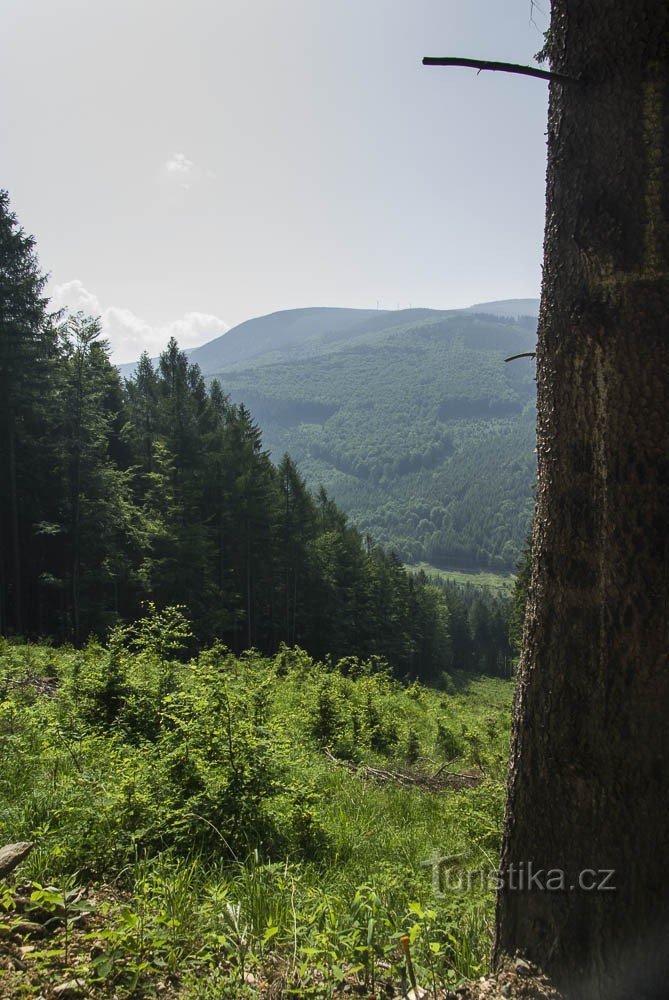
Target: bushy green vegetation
<point>419,431</point>
<point>223,847</point>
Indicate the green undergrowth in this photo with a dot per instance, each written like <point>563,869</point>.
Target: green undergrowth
<point>498,583</point>
<point>207,827</point>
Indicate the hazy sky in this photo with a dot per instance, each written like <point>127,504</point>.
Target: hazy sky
<point>188,164</point>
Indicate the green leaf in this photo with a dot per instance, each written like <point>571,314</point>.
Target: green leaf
<point>271,932</point>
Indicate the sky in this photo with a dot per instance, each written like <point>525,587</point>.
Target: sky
<point>185,165</point>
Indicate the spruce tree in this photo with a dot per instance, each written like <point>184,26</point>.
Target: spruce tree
<point>27,345</point>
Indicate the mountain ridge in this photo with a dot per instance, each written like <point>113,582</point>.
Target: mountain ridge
<point>293,328</point>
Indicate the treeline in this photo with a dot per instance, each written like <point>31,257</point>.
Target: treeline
<point>158,489</point>
<point>483,627</point>
<point>115,493</point>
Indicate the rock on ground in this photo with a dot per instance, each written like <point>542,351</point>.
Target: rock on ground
<point>12,855</point>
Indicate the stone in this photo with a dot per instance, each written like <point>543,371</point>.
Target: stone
<point>12,855</point>
<point>70,989</point>
<point>27,928</point>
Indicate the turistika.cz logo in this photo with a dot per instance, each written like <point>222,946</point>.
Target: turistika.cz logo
<point>449,875</point>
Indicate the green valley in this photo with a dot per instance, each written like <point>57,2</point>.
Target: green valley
<point>411,420</point>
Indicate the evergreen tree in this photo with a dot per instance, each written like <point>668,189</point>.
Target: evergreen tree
<point>296,527</point>
<point>99,517</point>
<point>141,411</point>
<point>27,346</point>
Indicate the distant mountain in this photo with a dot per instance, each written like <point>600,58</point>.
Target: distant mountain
<point>281,335</point>
<point>295,333</point>
<point>289,333</point>
<point>509,307</point>
<point>275,334</point>
<point>410,419</point>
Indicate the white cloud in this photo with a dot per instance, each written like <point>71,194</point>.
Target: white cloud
<point>179,164</point>
<point>73,296</point>
<point>180,170</point>
<point>129,334</point>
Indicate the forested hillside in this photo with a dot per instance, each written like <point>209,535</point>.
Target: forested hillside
<point>411,420</point>
<point>157,488</point>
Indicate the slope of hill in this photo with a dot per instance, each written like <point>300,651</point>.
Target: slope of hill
<point>296,333</point>
<point>508,307</point>
<point>410,419</point>
<point>290,333</point>
<point>176,858</point>
<point>274,334</point>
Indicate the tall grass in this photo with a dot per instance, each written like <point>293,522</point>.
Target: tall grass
<point>224,849</point>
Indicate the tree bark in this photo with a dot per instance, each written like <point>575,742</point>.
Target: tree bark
<point>16,538</point>
<point>590,750</point>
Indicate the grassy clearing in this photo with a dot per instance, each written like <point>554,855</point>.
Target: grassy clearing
<point>498,583</point>
<point>193,838</point>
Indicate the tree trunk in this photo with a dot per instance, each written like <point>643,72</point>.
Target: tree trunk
<point>16,539</point>
<point>590,754</point>
<point>590,751</point>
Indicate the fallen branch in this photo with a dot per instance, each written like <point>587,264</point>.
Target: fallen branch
<point>442,767</point>
<point>453,780</point>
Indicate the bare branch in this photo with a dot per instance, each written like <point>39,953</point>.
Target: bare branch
<point>479,64</point>
<point>530,354</point>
